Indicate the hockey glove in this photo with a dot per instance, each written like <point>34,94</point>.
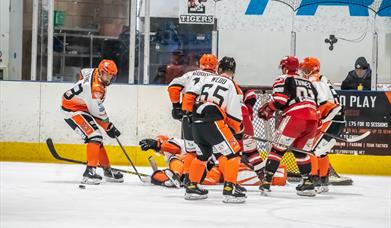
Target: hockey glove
<point>265,112</point>
<point>112,131</point>
<point>177,111</point>
<point>147,144</point>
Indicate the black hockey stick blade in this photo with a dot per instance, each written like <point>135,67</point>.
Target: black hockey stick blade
<point>52,149</point>
<point>349,139</point>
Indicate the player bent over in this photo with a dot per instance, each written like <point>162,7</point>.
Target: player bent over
<point>174,152</point>
<point>84,111</point>
<point>216,117</point>
<point>296,97</point>
<point>177,88</point>
<point>333,120</point>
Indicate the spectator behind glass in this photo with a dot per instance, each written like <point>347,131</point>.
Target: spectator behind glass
<point>176,68</point>
<point>360,78</point>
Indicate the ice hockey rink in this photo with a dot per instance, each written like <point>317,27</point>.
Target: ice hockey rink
<point>48,195</point>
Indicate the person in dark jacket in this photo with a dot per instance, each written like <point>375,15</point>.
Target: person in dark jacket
<point>360,77</point>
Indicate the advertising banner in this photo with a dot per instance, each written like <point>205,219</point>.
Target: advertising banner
<point>196,11</point>
<point>366,111</point>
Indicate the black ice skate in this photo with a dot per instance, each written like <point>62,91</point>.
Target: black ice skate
<point>306,187</point>
<point>90,176</point>
<point>266,182</point>
<point>113,176</point>
<point>265,188</point>
<point>232,195</point>
<point>322,185</point>
<point>240,188</point>
<point>194,192</point>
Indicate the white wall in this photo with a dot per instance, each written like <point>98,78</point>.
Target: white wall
<point>30,112</point>
<point>259,41</point>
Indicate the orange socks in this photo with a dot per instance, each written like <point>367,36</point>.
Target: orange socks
<point>231,170</point>
<point>187,159</point>
<point>103,159</point>
<point>197,169</point>
<point>314,165</point>
<point>324,164</point>
<point>93,150</point>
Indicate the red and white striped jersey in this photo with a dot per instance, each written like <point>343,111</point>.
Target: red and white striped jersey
<point>295,96</point>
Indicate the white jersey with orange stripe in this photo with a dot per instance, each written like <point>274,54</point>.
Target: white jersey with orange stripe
<point>181,84</point>
<point>325,89</point>
<point>87,95</point>
<point>223,94</point>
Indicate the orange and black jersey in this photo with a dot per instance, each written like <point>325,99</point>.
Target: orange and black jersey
<point>295,95</point>
<point>219,98</point>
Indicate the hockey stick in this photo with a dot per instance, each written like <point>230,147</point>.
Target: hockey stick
<point>351,139</point>
<point>123,150</point>
<point>288,147</point>
<point>152,162</point>
<point>52,149</point>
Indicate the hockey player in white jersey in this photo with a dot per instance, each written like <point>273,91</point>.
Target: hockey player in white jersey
<point>84,112</point>
<point>216,106</point>
<point>332,117</point>
<point>176,89</point>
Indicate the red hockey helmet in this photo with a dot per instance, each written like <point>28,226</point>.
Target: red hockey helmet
<point>290,64</point>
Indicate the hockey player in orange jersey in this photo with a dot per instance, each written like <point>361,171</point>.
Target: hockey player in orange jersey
<point>333,121</point>
<point>176,89</point>
<point>84,112</point>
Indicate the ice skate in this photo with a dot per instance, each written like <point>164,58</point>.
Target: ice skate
<point>265,188</point>
<point>113,176</point>
<point>174,179</point>
<point>194,192</point>
<point>90,176</point>
<point>323,185</point>
<point>232,195</point>
<point>306,187</point>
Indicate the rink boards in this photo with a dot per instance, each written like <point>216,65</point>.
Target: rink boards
<point>30,113</point>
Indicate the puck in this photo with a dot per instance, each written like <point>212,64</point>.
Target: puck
<point>82,186</point>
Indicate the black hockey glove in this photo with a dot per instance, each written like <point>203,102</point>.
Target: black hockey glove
<point>177,111</point>
<point>112,131</point>
<point>147,144</point>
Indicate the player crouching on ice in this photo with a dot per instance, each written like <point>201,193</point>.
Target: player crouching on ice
<point>173,149</point>
<point>296,97</point>
<point>84,111</point>
<point>333,121</point>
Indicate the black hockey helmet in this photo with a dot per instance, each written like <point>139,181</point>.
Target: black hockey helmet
<point>227,64</point>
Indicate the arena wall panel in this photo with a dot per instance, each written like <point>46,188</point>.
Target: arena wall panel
<point>30,113</point>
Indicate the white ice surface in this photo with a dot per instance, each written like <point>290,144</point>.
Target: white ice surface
<point>47,195</point>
